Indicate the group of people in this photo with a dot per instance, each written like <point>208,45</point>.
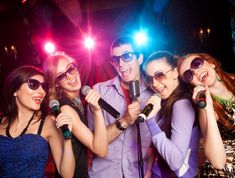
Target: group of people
<point>170,135</point>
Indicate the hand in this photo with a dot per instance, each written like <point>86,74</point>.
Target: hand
<point>133,110</point>
<point>205,88</point>
<point>156,101</point>
<point>92,98</point>
<point>148,174</point>
<point>63,119</point>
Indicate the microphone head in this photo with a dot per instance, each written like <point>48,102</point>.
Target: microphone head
<point>134,89</point>
<point>85,90</point>
<point>201,99</point>
<point>201,104</point>
<point>54,103</point>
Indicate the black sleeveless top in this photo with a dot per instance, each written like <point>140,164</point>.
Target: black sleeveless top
<point>80,150</point>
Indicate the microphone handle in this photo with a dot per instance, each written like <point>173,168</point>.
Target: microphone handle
<point>64,128</point>
<point>103,104</point>
<point>66,132</point>
<point>146,111</point>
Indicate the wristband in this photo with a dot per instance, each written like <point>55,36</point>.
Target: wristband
<point>119,126</point>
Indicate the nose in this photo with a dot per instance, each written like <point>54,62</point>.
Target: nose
<point>41,90</point>
<point>155,83</point>
<point>121,62</point>
<point>68,75</point>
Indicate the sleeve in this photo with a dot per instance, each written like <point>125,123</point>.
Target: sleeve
<point>173,150</point>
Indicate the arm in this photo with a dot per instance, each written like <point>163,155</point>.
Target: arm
<point>61,149</point>
<point>174,150</point>
<point>214,148</point>
<point>127,120</point>
<point>84,134</point>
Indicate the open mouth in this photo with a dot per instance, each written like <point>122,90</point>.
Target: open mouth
<point>203,76</point>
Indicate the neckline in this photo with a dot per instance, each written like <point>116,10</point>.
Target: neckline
<point>24,130</point>
<point>224,101</point>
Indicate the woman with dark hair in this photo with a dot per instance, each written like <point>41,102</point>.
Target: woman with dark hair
<point>26,133</point>
<point>172,121</point>
<point>62,72</point>
<point>217,120</point>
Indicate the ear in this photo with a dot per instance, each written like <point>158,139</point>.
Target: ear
<point>15,94</point>
<point>140,59</point>
<point>175,73</point>
<point>213,66</point>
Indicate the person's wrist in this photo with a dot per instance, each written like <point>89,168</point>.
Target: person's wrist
<point>121,125</point>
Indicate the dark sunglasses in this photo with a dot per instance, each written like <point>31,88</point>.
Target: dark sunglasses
<point>126,57</point>
<point>34,84</point>
<point>195,64</point>
<point>71,70</point>
<point>159,76</point>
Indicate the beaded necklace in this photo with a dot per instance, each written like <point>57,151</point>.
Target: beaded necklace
<point>25,129</point>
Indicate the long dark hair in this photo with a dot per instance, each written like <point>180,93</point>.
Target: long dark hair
<point>181,91</point>
<point>12,83</point>
<point>228,80</point>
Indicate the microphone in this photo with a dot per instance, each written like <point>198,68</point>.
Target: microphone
<point>55,107</point>
<point>146,111</point>
<point>103,104</point>
<point>201,99</point>
<point>134,92</point>
<point>134,89</point>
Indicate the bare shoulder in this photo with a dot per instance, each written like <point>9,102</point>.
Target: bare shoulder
<point>49,127</point>
<point>70,111</point>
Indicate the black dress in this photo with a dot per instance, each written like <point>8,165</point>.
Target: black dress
<point>80,150</point>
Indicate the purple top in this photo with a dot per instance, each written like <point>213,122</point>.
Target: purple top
<point>122,158</point>
<point>180,151</point>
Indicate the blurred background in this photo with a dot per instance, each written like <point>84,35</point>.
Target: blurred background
<point>179,26</point>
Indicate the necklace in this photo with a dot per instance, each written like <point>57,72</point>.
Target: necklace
<point>25,129</point>
<point>226,102</point>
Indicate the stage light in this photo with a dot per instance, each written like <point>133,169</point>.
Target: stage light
<point>49,47</point>
<point>89,42</point>
<point>141,38</point>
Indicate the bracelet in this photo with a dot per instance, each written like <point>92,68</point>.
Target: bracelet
<point>119,126</point>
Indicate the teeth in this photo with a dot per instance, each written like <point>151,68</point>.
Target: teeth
<point>125,72</point>
<point>203,76</point>
<point>72,81</point>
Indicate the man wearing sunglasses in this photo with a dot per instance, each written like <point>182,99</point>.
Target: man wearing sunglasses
<point>122,158</point>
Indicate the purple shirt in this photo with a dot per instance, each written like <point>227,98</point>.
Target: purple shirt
<point>122,158</point>
<point>180,151</point>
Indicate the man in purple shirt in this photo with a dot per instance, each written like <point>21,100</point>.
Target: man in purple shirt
<point>122,158</point>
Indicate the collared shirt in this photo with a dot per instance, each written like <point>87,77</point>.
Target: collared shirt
<point>122,158</point>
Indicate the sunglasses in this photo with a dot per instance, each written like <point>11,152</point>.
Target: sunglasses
<point>159,76</point>
<point>126,57</point>
<point>71,70</point>
<point>34,84</point>
<point>195,64</point>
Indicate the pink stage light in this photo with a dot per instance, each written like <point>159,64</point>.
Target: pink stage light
<point>89,42</point>
<point>49,47</point>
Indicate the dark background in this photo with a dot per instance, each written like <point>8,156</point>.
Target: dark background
<point>172,25</point>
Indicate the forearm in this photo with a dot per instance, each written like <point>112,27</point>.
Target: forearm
<point>100,142</point>
<point>214,147</point>
<point>67,165</point>
<point>113,132</point>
